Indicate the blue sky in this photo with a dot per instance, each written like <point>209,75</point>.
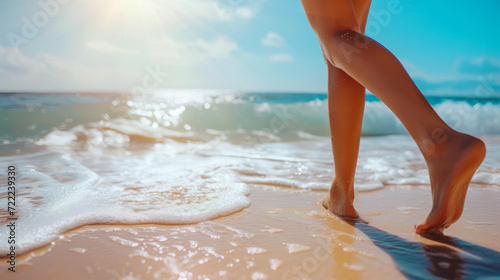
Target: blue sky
<point>448,47</point>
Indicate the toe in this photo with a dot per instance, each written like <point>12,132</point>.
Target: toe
<point>421,228</point>
<point>432,224</point>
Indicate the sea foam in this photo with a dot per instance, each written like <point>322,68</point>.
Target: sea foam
<point>57,193</point>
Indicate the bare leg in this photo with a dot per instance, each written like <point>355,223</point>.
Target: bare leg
<point>452,157</point>
<point>346,102</point>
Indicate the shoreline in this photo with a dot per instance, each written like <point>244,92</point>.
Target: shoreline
<point>284,234</point>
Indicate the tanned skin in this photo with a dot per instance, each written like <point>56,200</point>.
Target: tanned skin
<point>356,62</point>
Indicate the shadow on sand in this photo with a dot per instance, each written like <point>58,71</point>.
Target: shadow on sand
<point>455,259</point>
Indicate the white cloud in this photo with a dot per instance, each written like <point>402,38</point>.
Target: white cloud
<point>244,12</point>
<point>176,52</point>
<point>196,10</point>
<point>467,82</point>
<point>221,47</point>
<point>281,57</point>
<point>273,40</point>
<point>187,11</point>
<point>104,46</point>
<point>12,61</point>
<point>480,65</point>
<point>46,72</point>
<point>227,10</point>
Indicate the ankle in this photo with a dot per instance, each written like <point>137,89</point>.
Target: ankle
<point>344,189</point>
<point>435,143</point>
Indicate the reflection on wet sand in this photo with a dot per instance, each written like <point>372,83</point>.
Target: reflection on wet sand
<point>345,259</point>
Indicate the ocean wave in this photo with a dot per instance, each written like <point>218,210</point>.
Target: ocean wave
<point>235,117</point>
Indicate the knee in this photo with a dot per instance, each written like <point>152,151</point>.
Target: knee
<point>339,46</point>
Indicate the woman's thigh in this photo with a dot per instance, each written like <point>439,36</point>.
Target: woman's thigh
<point>329,16</point>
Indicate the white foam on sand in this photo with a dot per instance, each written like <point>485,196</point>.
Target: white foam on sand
<point>385,160</point>
<point>56,193</point>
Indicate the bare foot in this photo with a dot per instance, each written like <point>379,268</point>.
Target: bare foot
<point>451,167</point>
<point>340,201</point>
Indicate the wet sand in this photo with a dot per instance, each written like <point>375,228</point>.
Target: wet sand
<point>285,234</point>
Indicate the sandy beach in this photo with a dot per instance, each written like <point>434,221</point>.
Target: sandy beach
<point>284,234</point>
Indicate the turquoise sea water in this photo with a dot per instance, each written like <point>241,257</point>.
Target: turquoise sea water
<point>33,116</point>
